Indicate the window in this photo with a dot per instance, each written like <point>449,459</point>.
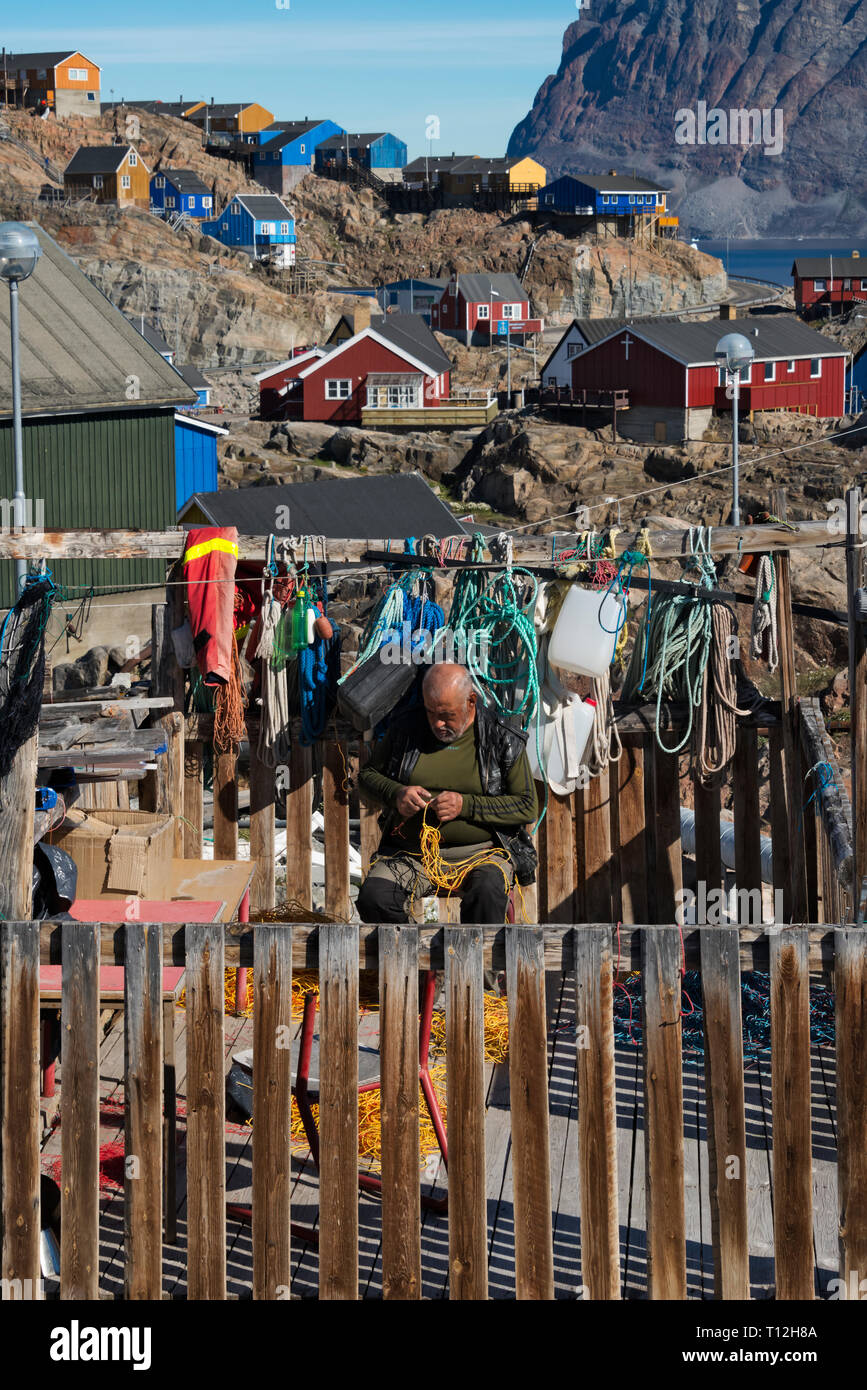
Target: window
<point>338,390</point>
<point>392,397</point>
<point>864,284</point>
<point>133,159</point>
<point>267,229</point>
<point>790,366</point>
<point>549,198</point>
<point>224,226</point>
<point>125,181</point>
<point>303,149</point>
<point>284,228</point>
<point>847,284</point>
<point>770,371</point>
<point>746,375</point>
<point>815,366</point>
<point>512,311</point>
<point>632,197</point>
<point>159,181</point>
<point>191,202</point>
<point>42,75</point>
<point>91,96</point>
<point>605,198</point>
<point>97,180</point>
<point>484,311</point>
<point>235,210</point>
<point>170,200</point>
<point>75,74</point>
<point>572,350</point>
<point>820,285</point>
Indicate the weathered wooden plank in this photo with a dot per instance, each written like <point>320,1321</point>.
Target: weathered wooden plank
<point>559,863</point>
<point>790,1085</point>
<point>748,845</point>
<point>193,798</point>
<point>206,1112</point>
<point>778,807</point>
<point>663,1114</point>
<point>79,1113</point>
<point>669,867</point>
<point>143,1214</point>
<point>398,1043</point>
<point>338,1112</point>
<point>796,909</point>
<point>170,1124</point>
<point>528,1088</point>
<point>465,1106</point>
<point>631,842</point>
<point>19,1136</point>
<point>272,1105</point>
<point>368,814</point>
<point>335,814</point>
<point>726,1124</point>
<point>596,826</point>
<point>857,684</point>
<point>708,855</point>
<point>225,805</point>
<point>16,834</point>
<point>597,1112</point>
<point>299,863</point>
<point>262,789</point>
<point>850,982</point>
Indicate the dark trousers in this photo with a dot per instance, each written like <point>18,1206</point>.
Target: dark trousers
<point>396,879</point>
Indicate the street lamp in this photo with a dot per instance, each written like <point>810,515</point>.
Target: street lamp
<point>19,252</point>
<point>733,353</point>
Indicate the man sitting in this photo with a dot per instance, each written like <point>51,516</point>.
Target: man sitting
<point>469,773</point>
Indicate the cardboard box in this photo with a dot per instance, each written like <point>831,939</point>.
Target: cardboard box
<point>118,853</point>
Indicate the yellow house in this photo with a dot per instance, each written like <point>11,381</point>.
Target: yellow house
<point>233,118</point>
<point>512,174</point>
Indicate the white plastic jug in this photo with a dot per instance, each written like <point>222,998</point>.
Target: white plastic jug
<point>580,641</point>
<point>564,732</point>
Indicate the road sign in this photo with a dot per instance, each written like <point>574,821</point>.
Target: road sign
<point>502,328</point>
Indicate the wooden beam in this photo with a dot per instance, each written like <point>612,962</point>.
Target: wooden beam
<point>790,1106</point>
<point>17,806</point>
<point>796,907</point>
<point>19,1007</point>
<point>401,1202</point>
<point>465,1107</point>
<point>262,790</point>
<point>857,685</point>
<point>143,1159</point>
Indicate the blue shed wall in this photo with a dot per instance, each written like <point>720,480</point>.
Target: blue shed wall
<point>195,462</point>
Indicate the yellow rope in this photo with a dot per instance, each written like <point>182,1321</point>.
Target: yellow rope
<point>450,876</point>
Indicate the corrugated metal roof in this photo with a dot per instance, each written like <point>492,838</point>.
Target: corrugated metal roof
<point>186,181</point>
<point>338,142</point>
<point>810,266</point>
<point>436,162</point>
<point>288,132</point>
<point>480,289</point>
<point>265,206</point>
<point>193,377</point>
<point>614,183</point>
<point>410,333</point>
<point>40,60</point>
<point>695,343</point>
<point>79,353</point>
<point>390,506</point>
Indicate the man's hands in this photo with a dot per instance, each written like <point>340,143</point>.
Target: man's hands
<point>446,806</point>
<point>409,800</point>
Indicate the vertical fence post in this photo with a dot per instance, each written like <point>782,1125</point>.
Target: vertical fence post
<point>797,906</point>
<point>669,855</point>
<point>335,814</point>
<point>748,832</point>
<point>790,1103</point>
<point>631,841</point>
<point>79,1112</point>
<point>338,1112</point>
<point>272,1102</point>
<point>143,1238</point>
<point>299,811</point>
<point>663,1113</point>
<point>262,790</point>
<point>850,988</point>
<point>857,691</point>
<point>401,1200</point>
<point>528,1091</point>
<point>465,1107</point>
<point>193,798</point>
<point>19,1141</point>
<point>597,1112</point>
<point>206,1112</point>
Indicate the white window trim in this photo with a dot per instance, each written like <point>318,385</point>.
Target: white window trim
<point>572,350</point>
<point>863,285</point>
<point>170,200</point>
<point>790,366</point>
<point>773,371</point>
<point>338,388</point>
<point>159,182</point>
<point>484,311</point>
<point>820,286</point>
<point>207,202</point>
<point>814,376</point>
<point>284,228</point>
<point>97,180</point>
<point>125,181</point>
<point>236,211</point>
<point>132,159</point>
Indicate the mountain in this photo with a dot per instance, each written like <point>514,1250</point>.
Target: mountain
<point>630,83</point>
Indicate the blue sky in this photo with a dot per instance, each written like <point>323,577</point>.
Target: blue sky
<point>383,64</point>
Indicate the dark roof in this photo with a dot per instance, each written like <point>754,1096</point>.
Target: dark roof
<point>285,138</point>
<point>695,343</point>
<point>77,351</point>
<point>193,377</point>
<point>41,60</point>
<point>298,126</point>
<point>614,183</point>
<point>224,108</point>
<point>439,161</point>
<point>389,506</point>
<point>410,333</point>
<point>479,289</point>
<point>478,164</point>
<point>264,206</point>
<point>806,267</point>
<point>185,180</point>
<point>416,282</point>
<point>98,159</point>
<point>339,142</point>
<point>593,331</point>
<point>154,108</point>
<point>149,332</point>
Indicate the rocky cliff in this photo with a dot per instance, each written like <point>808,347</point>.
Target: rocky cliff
<point>629,67</point>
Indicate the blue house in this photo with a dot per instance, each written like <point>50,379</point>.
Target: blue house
<point>382,153</point>
<point>286,150</point>
<point>602,195</point>
<point>261,225</point>
<point>856,381</point>
<point>202,387</point>
<point>180,190</point>
<point>195,457</point>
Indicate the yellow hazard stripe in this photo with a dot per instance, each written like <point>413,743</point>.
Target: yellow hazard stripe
<point>195,552</point>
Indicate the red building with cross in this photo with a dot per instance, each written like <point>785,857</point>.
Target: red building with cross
<point>675,386</point>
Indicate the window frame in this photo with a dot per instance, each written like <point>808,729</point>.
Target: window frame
<point>770,367</point>
<point>339,394</point>
<point>815,376</point>
<point>125,181</point>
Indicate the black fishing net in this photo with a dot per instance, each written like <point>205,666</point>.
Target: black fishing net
<point>22,668</point>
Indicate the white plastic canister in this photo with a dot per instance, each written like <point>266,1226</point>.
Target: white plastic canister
<point>585,632</point>
<point>564,735</point>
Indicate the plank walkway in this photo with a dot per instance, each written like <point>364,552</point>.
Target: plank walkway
<point>566,1209</point>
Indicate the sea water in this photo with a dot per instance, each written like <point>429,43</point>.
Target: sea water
<point>765,259</point>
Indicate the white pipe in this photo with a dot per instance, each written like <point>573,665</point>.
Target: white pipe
<point>727,843</point>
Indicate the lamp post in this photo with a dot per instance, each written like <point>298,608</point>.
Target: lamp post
<point>19,252</point>
<point>733,353</point>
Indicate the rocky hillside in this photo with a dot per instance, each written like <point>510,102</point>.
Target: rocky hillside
<point>221,312</point>
<point>629,65</point>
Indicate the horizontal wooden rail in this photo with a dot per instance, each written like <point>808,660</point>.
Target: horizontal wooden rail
<point>559,945</point>
<point>666,543</point>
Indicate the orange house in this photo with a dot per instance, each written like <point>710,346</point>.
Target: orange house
<point>65,83</point>
<point>108,174</point>
<point>232,118</point>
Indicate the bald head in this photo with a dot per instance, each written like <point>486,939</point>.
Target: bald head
<point>449,700</point>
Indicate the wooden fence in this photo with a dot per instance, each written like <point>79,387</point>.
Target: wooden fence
<point>592,953</point>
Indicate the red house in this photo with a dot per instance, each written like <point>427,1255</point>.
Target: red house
<point>281,395</point>
<point>829,281</point>
<point>398,365</point>
<point>473,307</point>
<point>676,388</point>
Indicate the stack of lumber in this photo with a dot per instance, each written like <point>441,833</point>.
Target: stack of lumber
<point>98,734</point>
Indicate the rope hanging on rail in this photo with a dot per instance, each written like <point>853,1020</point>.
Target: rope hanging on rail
<point>22,665</point>
<point>763,629</point>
